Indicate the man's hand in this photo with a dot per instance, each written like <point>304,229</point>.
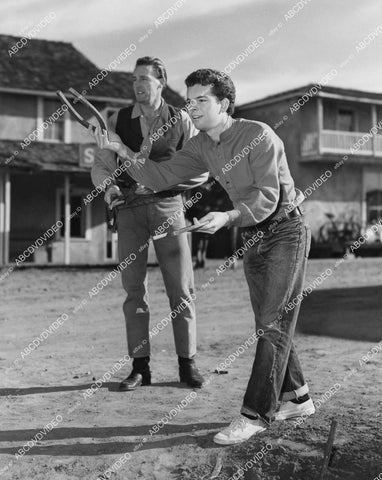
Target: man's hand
<point>114,196</point>
<point>111,141</point>
<point>106,140</point>
<point>216,220</point>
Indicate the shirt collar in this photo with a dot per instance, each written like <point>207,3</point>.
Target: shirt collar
<point>227,134</point>
<point>162,112</point>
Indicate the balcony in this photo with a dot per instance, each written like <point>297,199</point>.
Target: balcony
<point>338,142</point>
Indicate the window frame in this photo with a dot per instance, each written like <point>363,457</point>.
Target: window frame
<point>373,206</point>
<point>41,118</point>
<point>76,191</point>
<point>343,109</point>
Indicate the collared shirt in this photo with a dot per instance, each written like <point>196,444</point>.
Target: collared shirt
<point>160,119</point>
<point>161,116</point>
<point>249,161</point>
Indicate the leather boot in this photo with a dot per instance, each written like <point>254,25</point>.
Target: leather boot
<point>189,374</point>
<point>140,375</point>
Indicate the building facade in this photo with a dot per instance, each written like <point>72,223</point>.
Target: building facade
<point>46,156</point>
<point>333,142</point>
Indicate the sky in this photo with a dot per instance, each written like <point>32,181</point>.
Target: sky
<point>292,49</point>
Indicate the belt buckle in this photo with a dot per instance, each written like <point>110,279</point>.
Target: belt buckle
<point>293,213</point>
<point>142,190</point>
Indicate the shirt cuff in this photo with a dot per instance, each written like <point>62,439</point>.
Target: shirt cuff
<point>234,218</point>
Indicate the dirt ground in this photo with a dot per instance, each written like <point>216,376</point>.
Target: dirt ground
<point>340,323</point>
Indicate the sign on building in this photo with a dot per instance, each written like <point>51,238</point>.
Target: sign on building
<point>87,153</point>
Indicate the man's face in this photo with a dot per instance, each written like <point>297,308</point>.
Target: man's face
<point>147,87</point>
<point>205,110</point>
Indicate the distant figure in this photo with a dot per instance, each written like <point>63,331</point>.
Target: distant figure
<point>202,240</point>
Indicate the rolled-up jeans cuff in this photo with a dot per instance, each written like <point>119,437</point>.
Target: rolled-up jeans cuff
<point>248,411</point>
<point>285,396</point>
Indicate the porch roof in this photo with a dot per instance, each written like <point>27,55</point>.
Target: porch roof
<point>41,156</point>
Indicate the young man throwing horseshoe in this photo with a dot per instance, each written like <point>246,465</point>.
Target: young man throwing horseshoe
<point>266,204</point>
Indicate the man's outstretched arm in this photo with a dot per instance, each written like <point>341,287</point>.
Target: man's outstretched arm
<point>189,131</point>
<point>184,165</point>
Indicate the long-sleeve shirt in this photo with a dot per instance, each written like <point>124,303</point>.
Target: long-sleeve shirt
<point>249,162</point>
<point>105,162</point>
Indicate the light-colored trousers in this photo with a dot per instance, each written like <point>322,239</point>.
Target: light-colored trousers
<point>135,225</point>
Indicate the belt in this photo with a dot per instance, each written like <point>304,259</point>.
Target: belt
<point>131,189</point>
<point>168,193</point>
<point>131,199</point>
<point>274,220</point>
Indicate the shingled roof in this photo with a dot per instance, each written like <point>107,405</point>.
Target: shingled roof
<point>40,156</point>
<point>47,66</point>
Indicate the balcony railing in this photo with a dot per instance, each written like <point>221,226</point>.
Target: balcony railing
<point>344,142</point>
<point>334,141</point>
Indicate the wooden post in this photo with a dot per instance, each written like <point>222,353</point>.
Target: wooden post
<point>363,202</point>
<point>320,112</point>
<point>40,118</point>
<point>328,449</point>
<point>7,215</point>
<point>2,218</point>
<point>67,128</point>
<point>373,124</point>
<point>67,221</point>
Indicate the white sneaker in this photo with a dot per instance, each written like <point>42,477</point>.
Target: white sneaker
<point>292,410</point>
<point>239,430</point>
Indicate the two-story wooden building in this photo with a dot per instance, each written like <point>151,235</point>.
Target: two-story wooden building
<point>332,130</point>
<point>43,181</point>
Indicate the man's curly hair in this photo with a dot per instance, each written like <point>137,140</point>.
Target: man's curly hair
<point>221,83</point>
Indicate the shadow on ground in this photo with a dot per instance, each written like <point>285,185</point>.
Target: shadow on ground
<point>111,386</point>
<point>351,313</point>
<point>111,448</point>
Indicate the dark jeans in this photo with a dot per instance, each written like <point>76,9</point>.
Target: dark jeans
<point>275,271</point>
<point>135,225</point>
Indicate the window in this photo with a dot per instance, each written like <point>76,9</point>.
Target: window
<point>56,129</point>
<point>374,206</point>
<point>346,120</point>
<point>79,215</point>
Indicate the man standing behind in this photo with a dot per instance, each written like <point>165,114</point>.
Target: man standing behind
<point>153,125</point>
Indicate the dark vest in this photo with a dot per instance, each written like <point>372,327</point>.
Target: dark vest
<point>129,129</point>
